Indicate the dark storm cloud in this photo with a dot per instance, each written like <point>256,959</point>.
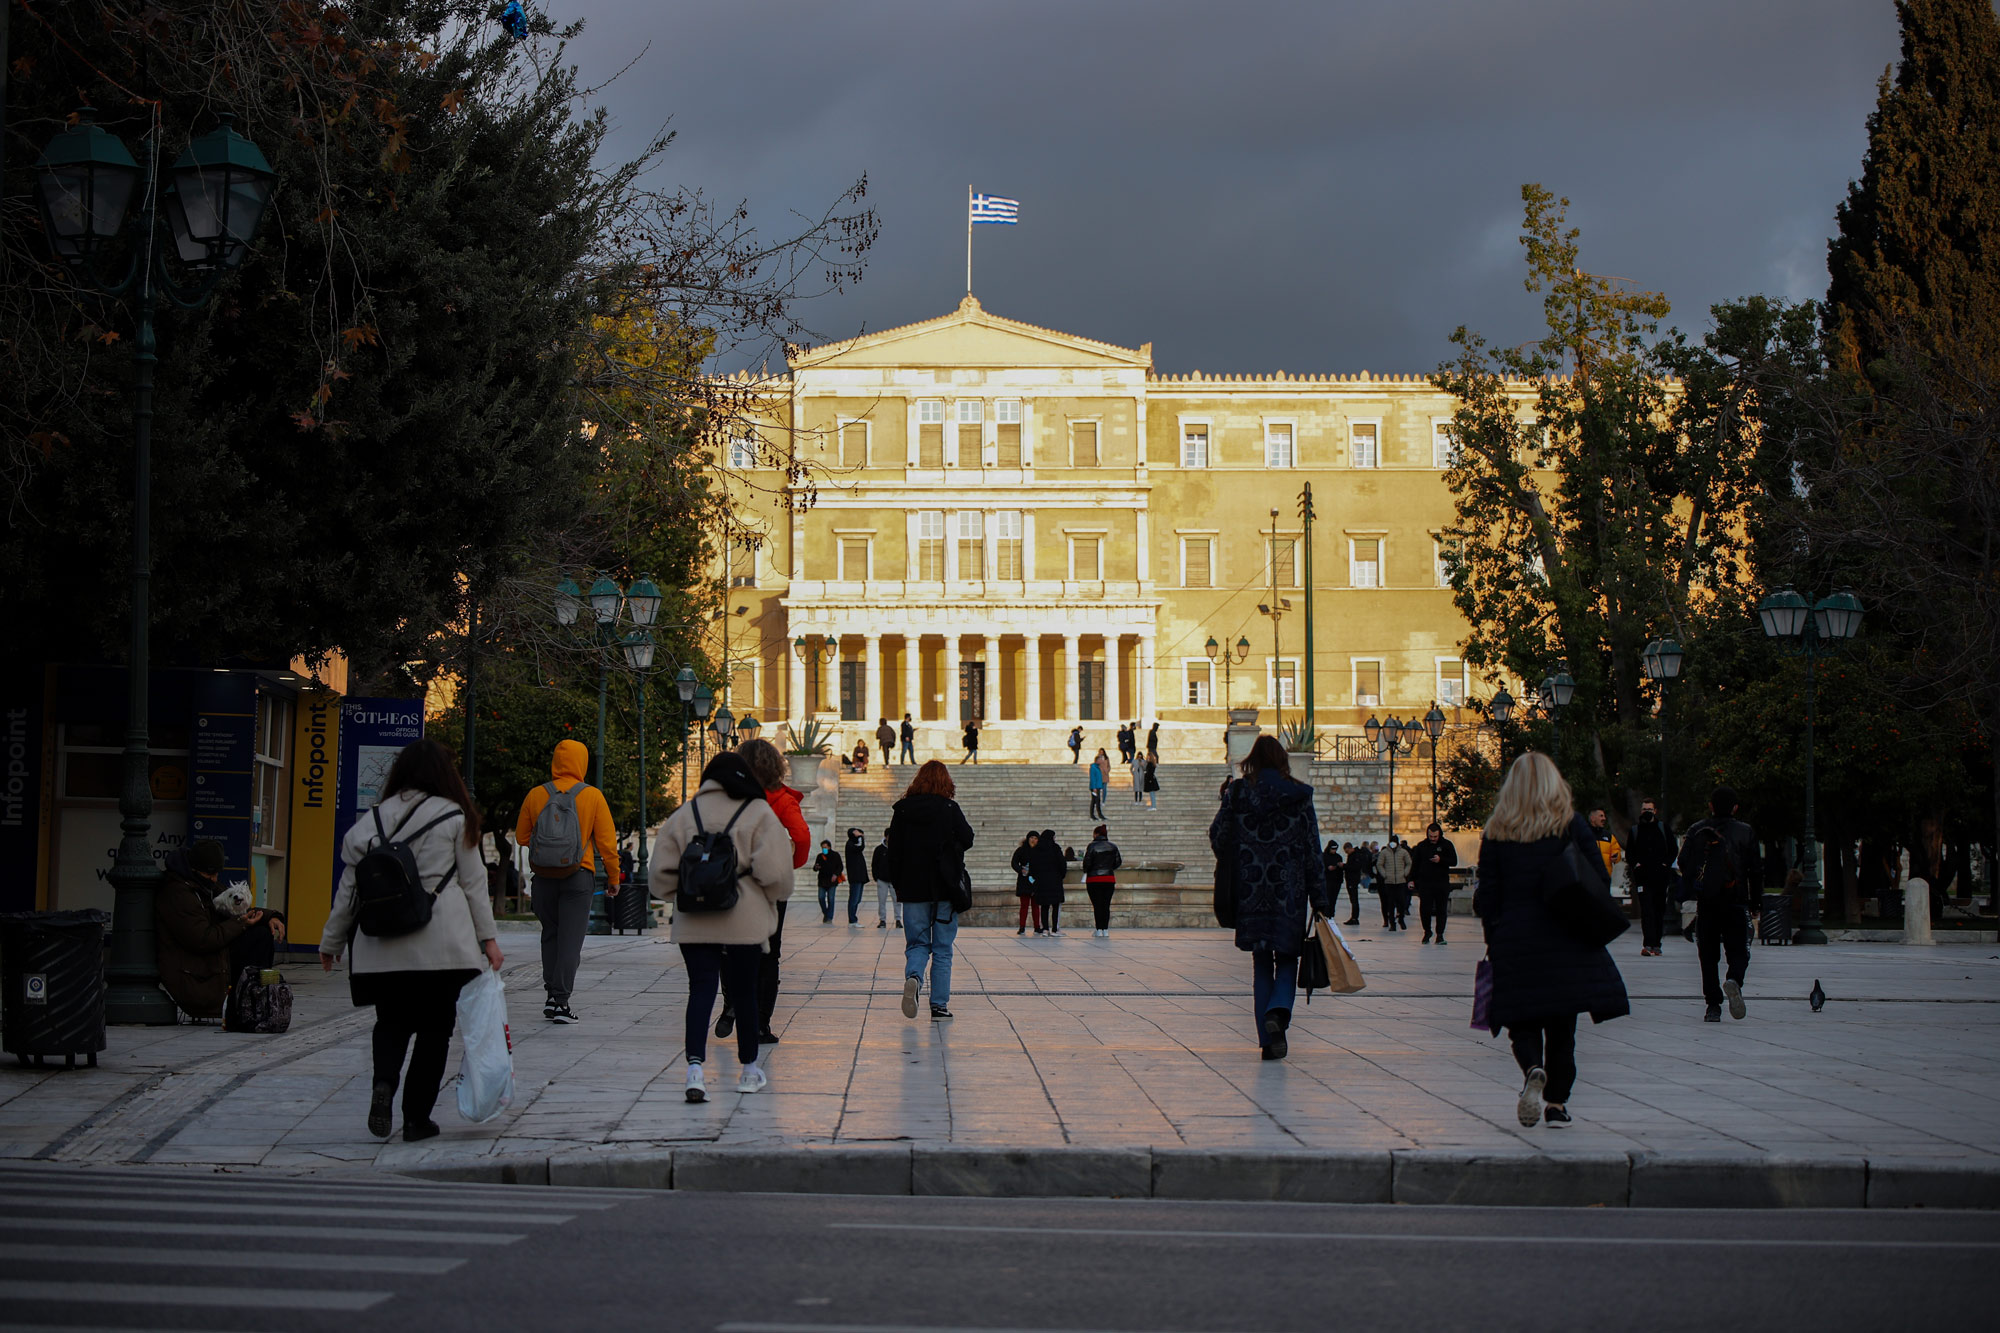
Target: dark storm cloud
<point>1260,186</point>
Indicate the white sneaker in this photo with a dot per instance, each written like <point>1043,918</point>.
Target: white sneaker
<point>1733,992</point>
<point>697,1087</point>
<point>910,985</point>
<point>751,1079</point>
<point>1529,1109</point>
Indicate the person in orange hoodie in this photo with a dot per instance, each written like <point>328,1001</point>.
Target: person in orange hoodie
<point>566,827</point>
<point>768,767</point>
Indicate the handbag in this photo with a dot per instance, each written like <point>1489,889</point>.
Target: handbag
<point>1343,973</point>
<point>1313,968</point>
<point>1482,996</point>
<point>1577,893</point>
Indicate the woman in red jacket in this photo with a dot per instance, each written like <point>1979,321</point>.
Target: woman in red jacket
<point>768,767</point>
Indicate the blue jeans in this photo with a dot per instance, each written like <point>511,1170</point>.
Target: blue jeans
<point>1274,984</point>
<point>855,888</point>
<point>929,930</point>
<point>826,901</point>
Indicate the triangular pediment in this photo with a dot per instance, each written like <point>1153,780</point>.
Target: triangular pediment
<point>972,338</point>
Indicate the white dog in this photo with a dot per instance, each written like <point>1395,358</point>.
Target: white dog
<point>232,900</point>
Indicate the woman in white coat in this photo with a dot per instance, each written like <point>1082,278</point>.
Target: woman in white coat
<point>413,980</point>
<point>726,949</point>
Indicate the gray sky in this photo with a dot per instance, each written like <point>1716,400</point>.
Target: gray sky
<point>1257,185</point>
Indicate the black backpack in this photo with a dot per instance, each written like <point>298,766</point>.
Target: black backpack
<point>708,873</point>
<point>1718,871</point>
<point>390,898</point>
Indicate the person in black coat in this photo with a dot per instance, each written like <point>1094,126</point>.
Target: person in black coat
<point>827,869</point>
<point>857,873</point>
<point>1350,870</point>
<point>1721,910</point>
<point>1431,864</point>
<point>1650,863</point>
<point>1049,866</point>
<point>1024,882</point>
<point>1266,842</point>
<point>1335,872</point>
<point>928,837</point>
<point>1543,975</point>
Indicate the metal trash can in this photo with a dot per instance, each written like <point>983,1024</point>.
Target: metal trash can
<point>1774,919</point>
<point>631,909</point>
<point>52,985</point>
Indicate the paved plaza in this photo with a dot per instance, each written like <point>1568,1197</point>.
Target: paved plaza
<point>1142,1039</point>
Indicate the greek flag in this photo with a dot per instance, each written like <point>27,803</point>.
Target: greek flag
<point>992,208</point>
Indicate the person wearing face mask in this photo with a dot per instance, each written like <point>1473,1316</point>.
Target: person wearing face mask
<point>1431,863</point>
<point>828,869</point>
<point>1650,862</point>
<point>1392,868</point>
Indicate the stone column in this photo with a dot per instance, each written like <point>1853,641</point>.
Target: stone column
<point>1114,702</point>
<point>991,703</point>
<point>1146,684</point>
<point>948,681</point>
<point>871,690</point>
<point>913,676</point>
<point>795,700</point>
<point>1031,709</point>
<point>1070,660</point>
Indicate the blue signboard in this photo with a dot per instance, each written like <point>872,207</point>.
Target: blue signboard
<point>222,755</point>
<point>372,733</point>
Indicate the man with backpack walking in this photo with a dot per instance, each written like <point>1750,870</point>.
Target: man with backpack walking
<point>1715,860</point>
<point>566,826</point>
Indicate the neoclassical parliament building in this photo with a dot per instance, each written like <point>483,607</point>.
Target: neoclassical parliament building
<point>998,521</point>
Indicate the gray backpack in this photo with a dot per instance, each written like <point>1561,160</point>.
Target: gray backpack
<point>555,850</point>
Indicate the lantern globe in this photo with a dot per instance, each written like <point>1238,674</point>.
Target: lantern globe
<point>216,195</point>
<point>83,186</point>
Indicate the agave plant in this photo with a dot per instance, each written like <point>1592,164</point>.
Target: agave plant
<point>811,739</point>
<point>1299,737</point>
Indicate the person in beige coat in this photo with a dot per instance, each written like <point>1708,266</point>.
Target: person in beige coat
<point>726,948</point>
<point>413,980</point>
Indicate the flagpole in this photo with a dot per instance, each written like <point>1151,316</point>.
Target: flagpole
<point>968,240</point>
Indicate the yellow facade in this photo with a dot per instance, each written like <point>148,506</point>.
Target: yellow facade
<point>1036,529</point>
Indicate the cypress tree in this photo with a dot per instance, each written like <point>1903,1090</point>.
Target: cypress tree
<point>1918,249</point>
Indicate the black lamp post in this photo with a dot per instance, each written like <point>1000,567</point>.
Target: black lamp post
<point>639,649</point>
<point>1434,728</point>
<point>1662,663</point>
<point>1502,707</point>
<point>1557,691</point>
<point>829,646</point>
<point>1228,657</point>
<point>684,685</point>
<point>1811,632</point>
<point>1391,738</point>
<point>216,193</point>
<point>704,700</point>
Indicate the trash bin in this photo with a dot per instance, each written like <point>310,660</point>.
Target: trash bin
<point>1774,919</point>
<point>52,985</point>
<point>630,909</point>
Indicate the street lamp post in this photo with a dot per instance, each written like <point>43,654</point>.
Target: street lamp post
<point>812,657</point>
<point>216,193</point>
<point>1434,728</point>
<point>1662,663</point>
<point>684,686</point>
<point>704,700</point>
<point>1502,707</point>
<point>1808,631</point>
<point>639,656</point>
<point>1390,738</point>
<point>1557,691</point>
<point>1228,657</point>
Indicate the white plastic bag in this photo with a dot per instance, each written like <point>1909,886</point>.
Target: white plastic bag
<point>486,1074</point>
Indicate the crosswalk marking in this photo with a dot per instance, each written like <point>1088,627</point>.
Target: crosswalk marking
<point>147,1254</point>
<point>286,1230</point>
<point>231,1209</point>
<point>233,1298</point>
<point>272,1193</point>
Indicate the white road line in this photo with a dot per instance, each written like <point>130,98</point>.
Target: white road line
<point>1411,1238</point>
<point>235,1209</point>
<point>284,1229</point>
<point>287,1192</point>
<point>233,1298</point>
<point>78,1328</point>
<point>236,1259</point>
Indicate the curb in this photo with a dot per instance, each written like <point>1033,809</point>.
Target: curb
<point>1405,1176</point>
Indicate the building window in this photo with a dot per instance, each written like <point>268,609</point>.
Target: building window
<point>742,687</point>
<point>1198,676</point>
<point>1441,562</point>
<point>1083,444</point>
<point>273,743</point>
<point>854,444</point>
<point>742,563</point>
<point>1278,444</point>
<point>1007,415</point>
<point>1367,444</point>
<point>1194,444</point>
<point>1085,559</point>
<point>970,529</point>
<point>969,451</point>
<point>1451,682</point>
<point>1444,450</point>
<point>854,555</point>
<point>1285,561</point>
<point>1364,562</point>
<point>930,545</point>
<point>930,433</point>
<point>743,451</point>
<point>1197,562</point>
<point>1007,545</point>
<point>1367,684</point>
<point>1282,681</point>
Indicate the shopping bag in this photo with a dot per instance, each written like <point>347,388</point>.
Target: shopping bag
<point>486,1074</point>
<point>1343,973</point>
<point>1482,996</point>
<point>1313,972</point>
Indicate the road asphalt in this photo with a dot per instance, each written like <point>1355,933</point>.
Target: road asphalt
<point>164,1248</point>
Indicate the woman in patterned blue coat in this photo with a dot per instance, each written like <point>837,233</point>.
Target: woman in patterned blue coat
<point>1266,843</point>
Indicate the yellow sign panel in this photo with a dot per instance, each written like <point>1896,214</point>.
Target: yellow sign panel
<point>315,745</point>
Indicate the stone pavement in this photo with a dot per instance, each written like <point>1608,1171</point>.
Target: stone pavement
<point>1142,1040</point>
